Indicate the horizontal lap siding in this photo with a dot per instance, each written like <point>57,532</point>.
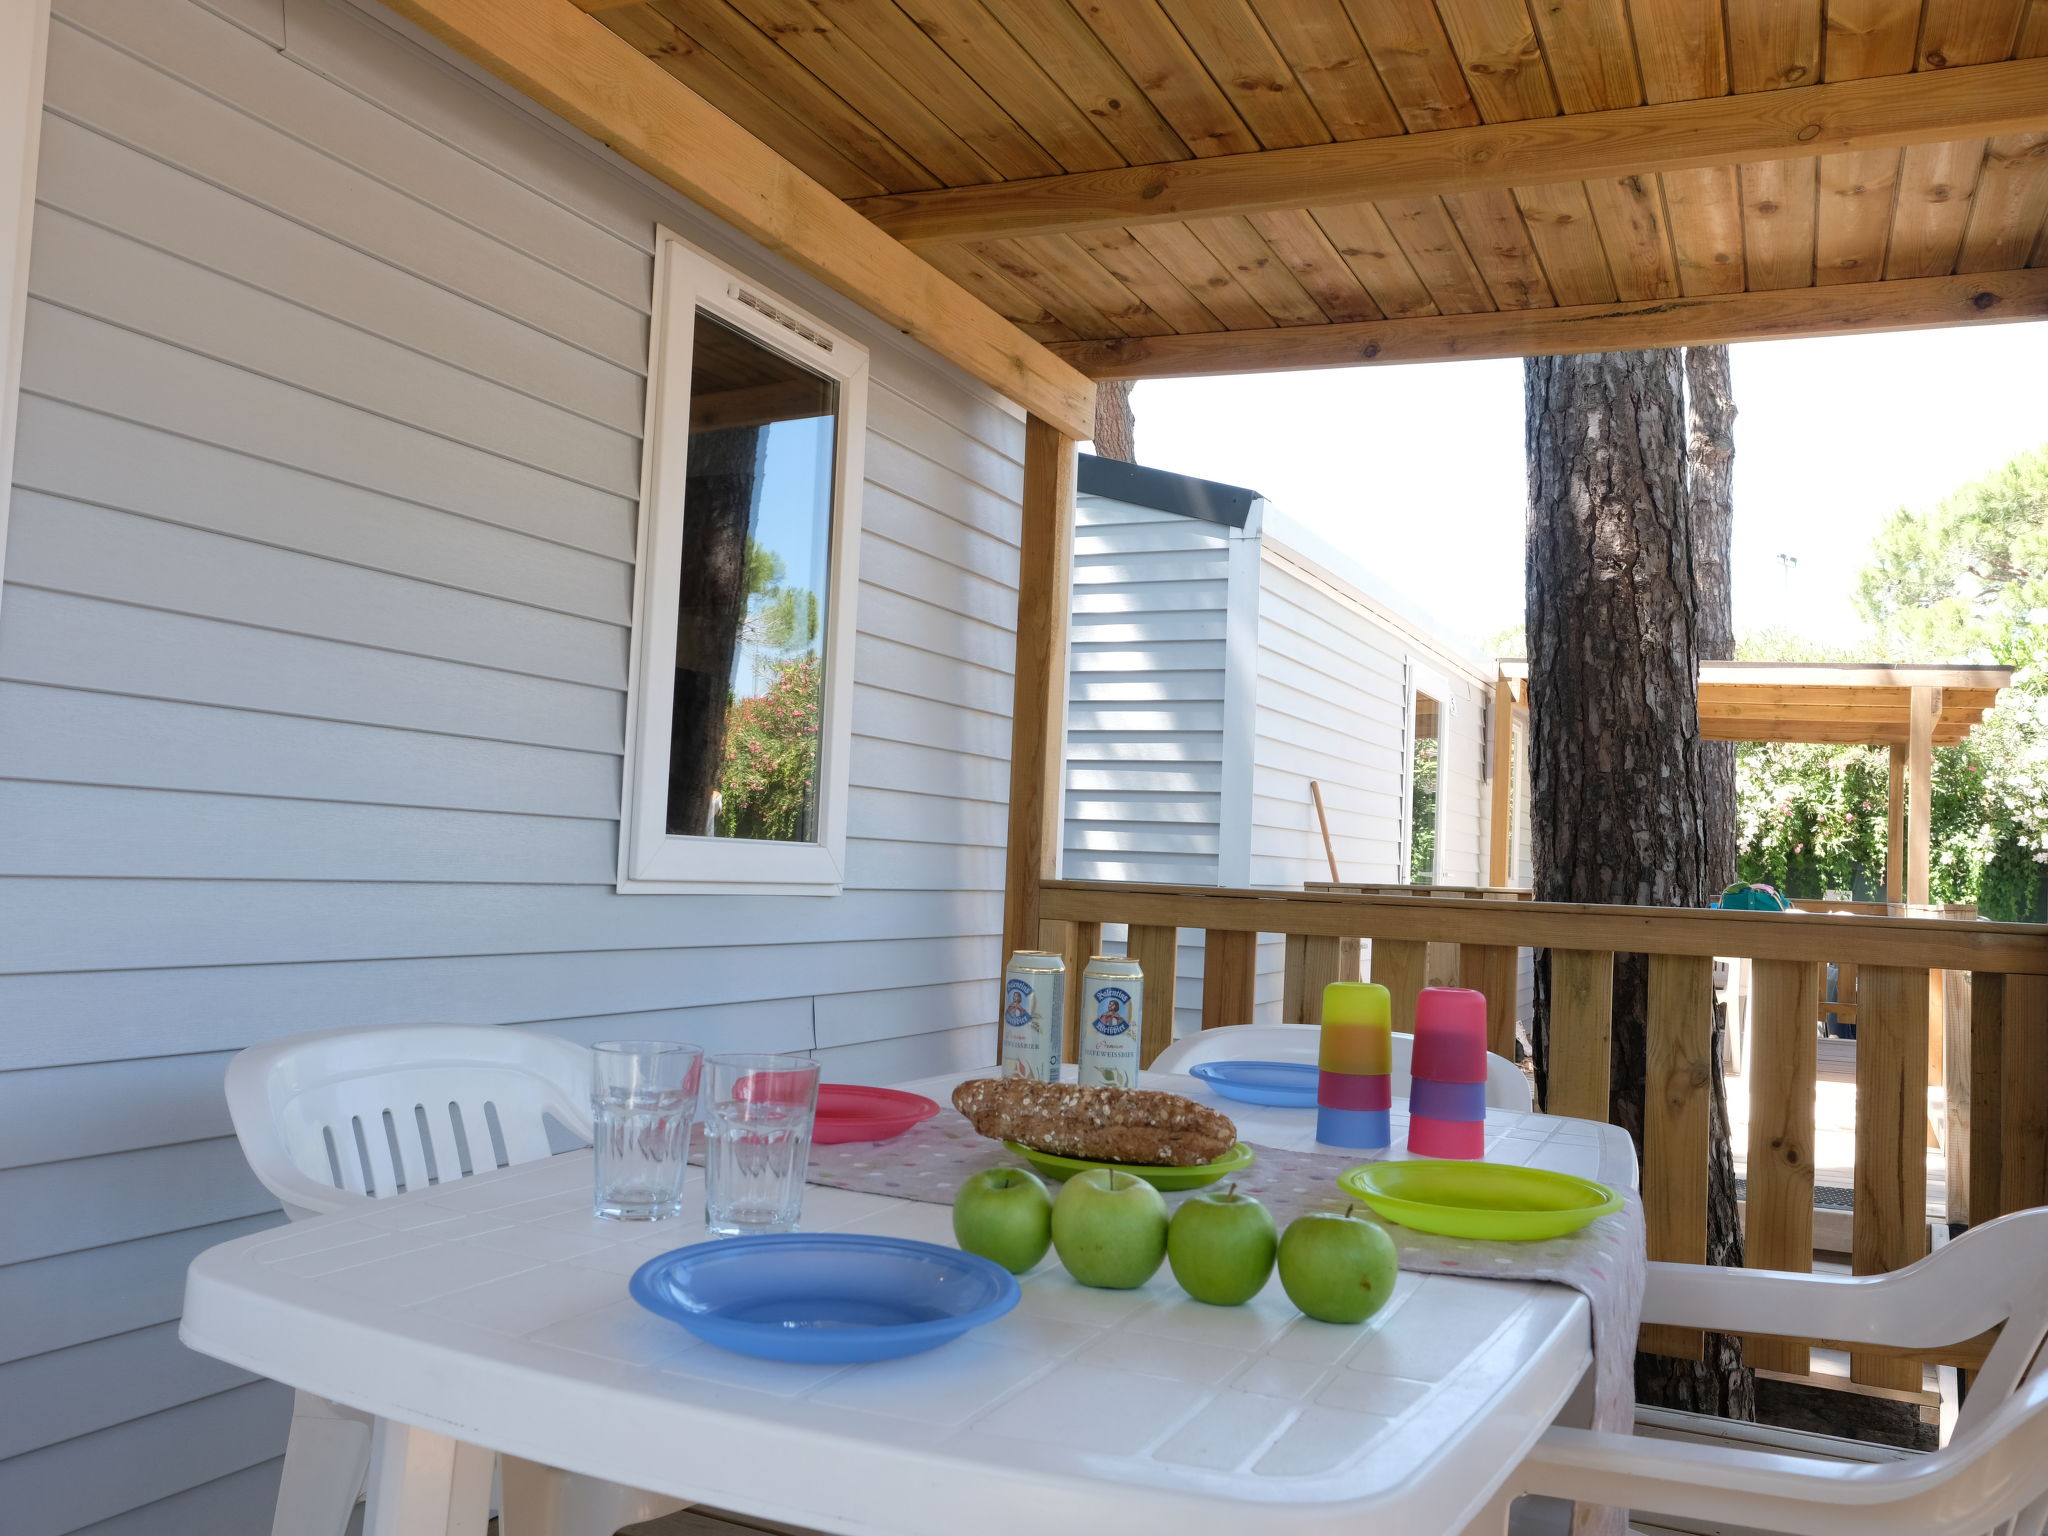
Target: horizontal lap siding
<point>312,669</point>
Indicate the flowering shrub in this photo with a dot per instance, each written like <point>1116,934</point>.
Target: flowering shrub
<point>768,783</point>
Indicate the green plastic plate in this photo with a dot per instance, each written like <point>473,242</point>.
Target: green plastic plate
<point>1236,1160</point>
<point>1483,1200</point>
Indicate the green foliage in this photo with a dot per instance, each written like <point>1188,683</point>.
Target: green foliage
<point>1423,813</point>
<point>1964,582</point>
<point>768,782</point>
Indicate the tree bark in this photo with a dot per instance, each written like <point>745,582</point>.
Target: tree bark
<point>724,469</point>
<point>1617,797</point>
<point>1116,426</point>
<point>1710,468</point>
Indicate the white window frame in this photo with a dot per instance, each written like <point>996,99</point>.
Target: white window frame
<point>24,43</point>
<point>1422,681</point>
<point>651,859</point>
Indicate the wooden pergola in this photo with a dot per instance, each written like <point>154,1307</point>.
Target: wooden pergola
<point>1047,192</point>
<point>1910,709</point>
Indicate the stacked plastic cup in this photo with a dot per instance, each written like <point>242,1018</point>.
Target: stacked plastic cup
<point>1354,1089</point>
<point>1447,1093</point>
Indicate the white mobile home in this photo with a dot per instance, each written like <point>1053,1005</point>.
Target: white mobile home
<point>1223,658</point>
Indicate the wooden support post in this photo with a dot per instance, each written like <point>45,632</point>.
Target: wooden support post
<point>1322,963</point>
<point>1157,951</point>
<point>1229,976</point>
<point>1925,708</point>
<point>1976,1104</point>
<point>1493,969</point>
<point>1778,1229</point>
<point>1581,1032</point>
<point>2024,1092</point>
<point>1891,1143</point>
<point>1677,1107</point>
<point>1500,760</point>
<point>1895,830</point>
<point>1401,966</point>
<point>1039,700</point>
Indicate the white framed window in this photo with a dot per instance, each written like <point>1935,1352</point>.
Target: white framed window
<point>737,720</point>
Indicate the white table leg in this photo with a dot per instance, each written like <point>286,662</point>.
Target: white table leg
<point>424,1484</point>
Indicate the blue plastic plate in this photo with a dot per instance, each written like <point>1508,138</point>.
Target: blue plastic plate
<point>824,1298</point>
<point>1288,1083</point>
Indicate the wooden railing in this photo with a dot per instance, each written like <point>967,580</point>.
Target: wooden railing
<point>1998,1059</point>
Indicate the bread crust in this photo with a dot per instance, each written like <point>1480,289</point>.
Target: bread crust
<point>1105,1125</point>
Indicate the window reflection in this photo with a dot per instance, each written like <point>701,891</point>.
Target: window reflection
<point>757,538</point>
<point>1422,808</point>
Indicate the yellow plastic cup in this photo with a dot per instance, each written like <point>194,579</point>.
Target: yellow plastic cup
<point>1357,1033</point>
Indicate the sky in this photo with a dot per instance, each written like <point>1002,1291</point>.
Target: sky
<point>1417,471</point>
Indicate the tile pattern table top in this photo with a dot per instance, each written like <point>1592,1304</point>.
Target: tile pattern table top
<point>495,1310</point>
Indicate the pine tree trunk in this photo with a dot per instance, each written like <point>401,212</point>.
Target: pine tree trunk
<point>1617,798</point>
<point>1710,465</point>
<point>1116,425</point>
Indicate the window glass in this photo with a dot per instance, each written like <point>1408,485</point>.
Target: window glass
<point>1422,804</point>
<point>750,623</point>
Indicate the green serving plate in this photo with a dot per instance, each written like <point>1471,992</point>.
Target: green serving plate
<point>1236,1160</point>
<point>1484,1200</point>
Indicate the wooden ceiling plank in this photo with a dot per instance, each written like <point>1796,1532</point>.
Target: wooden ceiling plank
<point>1870,37</point>
<point>1958,32</point>
<point>1090,75</point>
<point>1773,44</point>
<point>1591,51</point>
<point>1177,250</point>
<point>2010,204</point>
<point>1259,270</point>
<point>1415,60</point>
<point>1502,246</point>
<point>1705,210</point>
<point>1936,185</point>
<point>1242,59</point>
<point>599,83</point>
<point>1844,117</point>
<point>1717,695</point>
<point>1561,227</point>
<point>1068,266</point>
<point>743,101</point>
<point>2033,38</point>
<point>1822,714</point>
<point>1682,47</point>
<point>1120,254</point>
<point>1317,265</point>
<point>1018,261</point>
<point>1000,294</point>
<point>742,47</point>
<point>1323,49</point>
<point>1838,736</point>
<point>1847,309</point>
<point>968,35</point>
<point>1853,216</point>
<point>1496,44</point>
<point>1375,257</point>
<point>830,55</point>
<point>1777,223</point>
<point>1423,229</point>
<point>1148,47</point>
<point>1629,211</point>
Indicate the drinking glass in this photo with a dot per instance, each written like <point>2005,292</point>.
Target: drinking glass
<point>758,1112</point>
<point>643,1101</point>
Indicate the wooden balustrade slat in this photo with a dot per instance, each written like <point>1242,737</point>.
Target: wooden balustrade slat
<point>1322,964</point>
<point>1293,987</point>
<point>1976,1104</point>
<point>1157,951</point>
<point>2025,1092</point>
<point>1440,965</point>
<point>1778,1230</point>
<point>1402,967</point>
<point>1581,1031</point>
<point>1493,970</point>
<point>1076,943</point>
<point>1677,1114</point>
<point>1890,1229</point>
<point>1229,977</point>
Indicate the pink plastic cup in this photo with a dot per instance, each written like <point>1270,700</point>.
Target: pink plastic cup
<point>1450,1035</point>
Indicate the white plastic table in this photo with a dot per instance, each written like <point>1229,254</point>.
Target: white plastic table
<point>493,1313</point>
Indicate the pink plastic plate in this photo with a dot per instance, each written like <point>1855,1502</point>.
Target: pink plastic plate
<point>850,1113</point>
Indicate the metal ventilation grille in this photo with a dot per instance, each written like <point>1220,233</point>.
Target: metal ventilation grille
<point>788,322</point>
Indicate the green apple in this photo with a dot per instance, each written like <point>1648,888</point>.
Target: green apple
<point>1337,1268</point>
<point>1004,1214</point>
<point>1221,1244</point>
<point>1109,1228</point>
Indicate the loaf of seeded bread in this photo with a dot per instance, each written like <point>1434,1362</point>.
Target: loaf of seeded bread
<point>1105,1125</point>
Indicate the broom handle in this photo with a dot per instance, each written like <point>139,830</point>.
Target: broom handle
<point>1315,792</point>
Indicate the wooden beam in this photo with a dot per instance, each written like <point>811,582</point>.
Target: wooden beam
<point>1500,840</point>
<point>1889,112</point>
<point>1844,309</point>
<point>1895,829</point>
<point>594,79</point>
<point>1920,771</point>
<point>1039,697</point>
<point>1891,1143</point>
<point>1778,1226</point>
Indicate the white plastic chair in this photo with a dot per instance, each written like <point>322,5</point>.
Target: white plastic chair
<point>1993,1471</point>
<point>331,1120</point>
<point>1506,1086</point>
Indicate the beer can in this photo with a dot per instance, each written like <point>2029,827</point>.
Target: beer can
<point>1034,1015</point>
<point>1112,1003</point>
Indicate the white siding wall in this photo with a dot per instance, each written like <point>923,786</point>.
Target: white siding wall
<point>311,678</point>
